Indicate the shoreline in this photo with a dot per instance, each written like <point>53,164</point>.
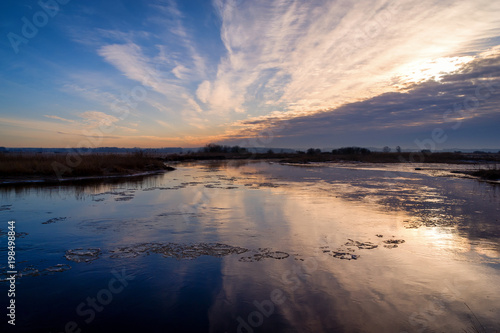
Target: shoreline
<point>45,168</point>
<point>54,180</point>
<point>487,175</point>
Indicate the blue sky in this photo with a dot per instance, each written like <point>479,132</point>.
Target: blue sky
<point>255,73</point>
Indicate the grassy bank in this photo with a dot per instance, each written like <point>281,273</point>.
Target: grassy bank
<point>487,174</point>
<point>15,166</point>
<point>493,174</point>
<point>373,157</point>
<point>54,166</point>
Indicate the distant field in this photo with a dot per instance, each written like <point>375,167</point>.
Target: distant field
<point>372,157</point>
<point>64,165</point>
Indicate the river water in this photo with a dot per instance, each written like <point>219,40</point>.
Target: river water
<point>257,247</point>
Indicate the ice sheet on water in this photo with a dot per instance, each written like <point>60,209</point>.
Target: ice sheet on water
<point>83,255</point>
<point>178,251</point>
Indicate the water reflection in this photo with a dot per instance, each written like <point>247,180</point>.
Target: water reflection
<point>368,249</point>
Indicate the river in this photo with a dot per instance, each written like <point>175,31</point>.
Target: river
<point>257,247</point>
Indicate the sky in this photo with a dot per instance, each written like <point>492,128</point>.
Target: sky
<point>254,73</point>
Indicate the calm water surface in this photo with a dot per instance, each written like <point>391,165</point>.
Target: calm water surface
<point>257,247</point>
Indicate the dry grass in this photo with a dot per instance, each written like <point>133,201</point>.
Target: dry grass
<point>489,174</point>
<point>374,157</point>
<point>74,165</point>
<point>405,157</point>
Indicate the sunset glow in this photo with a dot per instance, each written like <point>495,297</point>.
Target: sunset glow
<point>179,73</point>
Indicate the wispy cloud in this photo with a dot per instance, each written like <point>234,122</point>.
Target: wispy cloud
<point>90,136</point>
<point>167,67</point>
<point>292,58</point>
<point>89,120</point>
<point>464,98</point>
<point>307,56</point>
<point>97,118</point>
<point>59,118</point>
<point>129,59</point>
<point>249,66</point>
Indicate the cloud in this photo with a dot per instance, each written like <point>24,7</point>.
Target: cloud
<point>165,124</point>
<point>312,65</point>
<point>97,118</point>
<point>59,118</point>
<point>307,56</point>
<point>168,67</point>
<point>92,120</point>
<point>95,90</point>
<point>130,60</point>
<point>180,71</point>
<point>466,98</point>
<point>204,91</point>
<point>90,136</point>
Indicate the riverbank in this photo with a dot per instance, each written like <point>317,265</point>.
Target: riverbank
<point>484,174</point>
<point>371,157</point>
<point>491,173</point>
<point>48,168</point>
<point>15,168</point>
